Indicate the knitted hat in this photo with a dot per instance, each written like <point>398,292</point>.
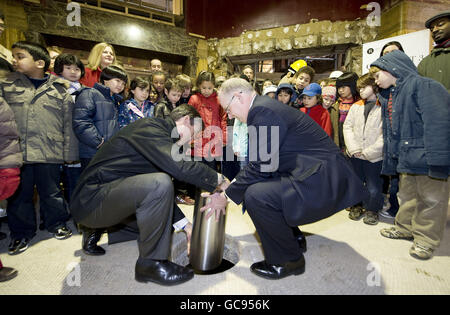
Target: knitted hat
<point>270,89</point>
<point>438,16</point>
<point>329,91</point>
<point>348,79</point>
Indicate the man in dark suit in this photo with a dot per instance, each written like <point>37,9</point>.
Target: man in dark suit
<point>296,176</point>
<point>131,174</point>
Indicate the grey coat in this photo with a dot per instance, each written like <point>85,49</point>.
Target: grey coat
<point>10,154</point>
<point>43,116</point>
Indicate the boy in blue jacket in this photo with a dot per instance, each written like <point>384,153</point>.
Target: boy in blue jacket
<point>416,130</point>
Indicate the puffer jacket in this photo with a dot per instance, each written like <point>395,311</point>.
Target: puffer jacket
<point>43,117</point>
<point>10,154</point>
<point>364,136</point>
<point>95,118</point>
<point>418,141</point>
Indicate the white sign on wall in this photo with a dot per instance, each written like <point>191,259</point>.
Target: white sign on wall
<point>416,45</point>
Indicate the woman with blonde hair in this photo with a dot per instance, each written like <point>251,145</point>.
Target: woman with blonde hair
<point>102,55</point>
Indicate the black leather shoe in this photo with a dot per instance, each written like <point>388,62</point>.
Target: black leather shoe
<point>278,271</point>
<point>301,239</point>
<point>162,272</point>
<point>89,242</point>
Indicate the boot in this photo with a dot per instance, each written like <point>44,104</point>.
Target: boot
<point>89,242</point>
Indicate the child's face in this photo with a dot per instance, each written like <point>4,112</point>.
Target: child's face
<point>141,94</point>
<point>115,85</point>
<point>366,92</point>
<point>206,88</point>
<point>153,95</point>
<point>271,95</point>
<point>327,101</point>
<point>309,101</point>
<point>345,92</point>
<point>173,95</point>
<point>384,79</point>
<point>284,97</point>
<point>302,81</point>
<point>187,92</point>
<point>267,83</point>
<point>158,82</point>
<point>23,62</point>
<point>71,73</point>
<point>107,57</point>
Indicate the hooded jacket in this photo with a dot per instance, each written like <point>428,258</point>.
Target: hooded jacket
<point>290,87</point>
<point>418,141</point>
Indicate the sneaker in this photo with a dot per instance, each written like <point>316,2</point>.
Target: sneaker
<point>371,218</point>
<point>394,233</point>
<point>62,233</point>
<point>421,252</point>
<point>386,214</point>
<point>356,212</point>
<point>18,246</point>
<point>386,203</point>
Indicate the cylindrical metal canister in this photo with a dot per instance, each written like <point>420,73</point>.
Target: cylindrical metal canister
<point>208,237</point>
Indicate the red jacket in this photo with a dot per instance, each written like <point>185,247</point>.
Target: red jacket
<point>212,115</point>
<point>321,116</point>
<point>91,77</point>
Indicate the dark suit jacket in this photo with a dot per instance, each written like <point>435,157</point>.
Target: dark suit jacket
<point>317,179</point>
<point>142,147</point>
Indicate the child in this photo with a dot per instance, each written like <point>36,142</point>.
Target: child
<point>415,113</point>
<point>286,94</point>
<point>207,104</point>
<point>95,116</point>
<point>158,79</point>
<point>70,68</point>
<point>101,56</point>
<point>302,78</point>
<point>137,105</point>
<point>172,94</point>
<point>153,94</point>
<point>363,136</point>
<point>330,104</point>
<point>10,163</point>
<point>312,100</point>
<point>186,84</point>
<point>348,94</point>
<point>43,111</point>
<point>270,91</point>
<point>95,121</point>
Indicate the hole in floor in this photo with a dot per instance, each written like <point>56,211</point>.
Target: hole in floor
<point>230,257</point>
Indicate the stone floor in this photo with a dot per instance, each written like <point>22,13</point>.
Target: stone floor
<point>343,257</point>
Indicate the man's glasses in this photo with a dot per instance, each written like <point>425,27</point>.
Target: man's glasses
<point>231,101</point>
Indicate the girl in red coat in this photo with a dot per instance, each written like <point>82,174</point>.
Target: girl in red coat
<point>312,107</point>
<point>214,118</point>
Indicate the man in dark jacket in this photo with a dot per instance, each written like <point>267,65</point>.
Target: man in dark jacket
<point>416,134</point>
<point>132,174</point>
<point>296,175</point>
<point>437,63</point>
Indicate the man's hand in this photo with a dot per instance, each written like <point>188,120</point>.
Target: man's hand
<point>188,231</point>
<point>217,204</point>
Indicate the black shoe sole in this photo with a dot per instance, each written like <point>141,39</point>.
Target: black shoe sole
<point>296,272</point>
<point>10,276</point>
<point>93,253</point>
<point>143,279</point>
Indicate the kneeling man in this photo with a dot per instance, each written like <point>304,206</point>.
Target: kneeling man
<point>132,174</point>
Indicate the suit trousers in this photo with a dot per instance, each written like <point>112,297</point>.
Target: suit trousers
<point>423,208</point>
<point>264,205</point>
<point>151,198</point>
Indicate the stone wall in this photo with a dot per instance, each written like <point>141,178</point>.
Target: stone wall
<point>116,29</point>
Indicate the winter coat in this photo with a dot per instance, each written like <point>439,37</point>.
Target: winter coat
<point>436,66</point>
<point>321,116</point>
<point>130,111</point>
<point>43,117</point>
<point>91,77</point>
<point>418,141</point>
<point>95,118</point>
<point>365,136</point>
<point>212,115</point>
<point>163,108</point>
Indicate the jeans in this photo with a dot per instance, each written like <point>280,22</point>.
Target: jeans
<point>21,211</point>
<point>370,174</point>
